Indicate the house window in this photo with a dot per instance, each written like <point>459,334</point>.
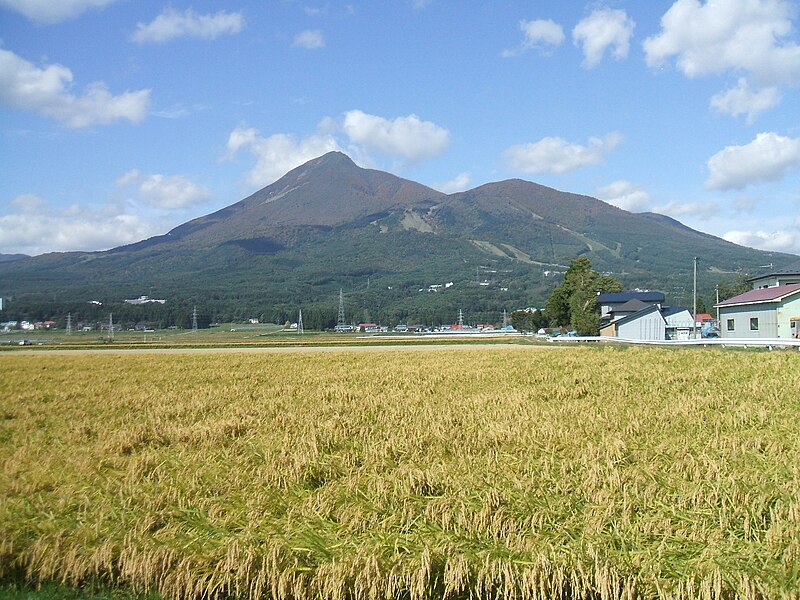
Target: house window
<point>754,324</point>
<point>730,325</point>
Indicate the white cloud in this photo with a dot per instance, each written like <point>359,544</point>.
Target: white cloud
<point>408,137</point>
<point>52,11</point>
<point>775,241</point>
<point>702,210</point>
<point>626,195</point>
<point>277,154</point>
<point>769,157</point>
<point>540,33</point>
<point>743,100</point>
<point>602,29</point>
<point>459,183</point>
<point>738,35</point>
<point>72,229</point>
<point>28,202</point>
<point>310,39</point>
<point>556,155</point>
<point>168,192</point>
<point>171,24</point>
<point>46,91</point>
<point>419,4</point>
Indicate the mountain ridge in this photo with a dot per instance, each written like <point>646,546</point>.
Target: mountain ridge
<point>330,224</point>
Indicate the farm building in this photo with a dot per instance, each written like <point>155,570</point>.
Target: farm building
<point>647,324</point>
<point>777,277</point>
<point>613,301</point>
<point>769,312</point>
<point>679,322</point>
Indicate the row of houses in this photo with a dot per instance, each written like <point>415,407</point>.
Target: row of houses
<point>771,309</point>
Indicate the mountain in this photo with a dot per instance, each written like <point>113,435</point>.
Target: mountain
<point>330,224</point>
<point>10,257</point>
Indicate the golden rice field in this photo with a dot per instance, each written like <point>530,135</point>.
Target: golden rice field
<point>481,473</point>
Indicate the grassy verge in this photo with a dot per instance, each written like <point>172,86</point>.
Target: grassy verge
<point>530,473</point>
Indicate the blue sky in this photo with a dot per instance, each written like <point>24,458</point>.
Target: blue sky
<point>120,119</point>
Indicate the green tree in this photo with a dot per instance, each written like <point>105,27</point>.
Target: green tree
<point>574,302</point>
<point>728,288</point>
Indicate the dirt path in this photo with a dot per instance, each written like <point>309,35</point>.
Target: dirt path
<point>282,349</point>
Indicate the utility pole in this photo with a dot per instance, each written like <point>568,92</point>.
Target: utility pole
<point>694,302</point>
<point>716,289</point>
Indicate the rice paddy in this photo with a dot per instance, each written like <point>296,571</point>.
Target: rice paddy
<point>482,473</point>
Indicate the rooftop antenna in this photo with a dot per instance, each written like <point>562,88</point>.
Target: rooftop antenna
<point>69,323</point>
<point>300,322</point>
<point>340,324</point>
<point>194,319</point>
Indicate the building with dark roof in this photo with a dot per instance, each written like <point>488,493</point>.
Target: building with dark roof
<point>614,300</point>
<point>777,277</point>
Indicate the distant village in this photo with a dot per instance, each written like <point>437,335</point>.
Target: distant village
<point>769,310</point>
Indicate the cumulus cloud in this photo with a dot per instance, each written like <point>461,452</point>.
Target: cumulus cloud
<point>277,154</point>
<point>604,28</point>
<point>52,11</point>
<point>168,192</point>
<point>408,137</point>
<point>736,35</point>
<point>46,91</point>
<point>769,157</point>
<point>310,39</point>
<point>171,24</point>
<point>459,183</point>
<point>626,195</point>
<point>775,241</point>
<point>743,100</point>
<point>702,210</point>
<point>556,155</point>
<point>542,34</point>
<point>75,228</point>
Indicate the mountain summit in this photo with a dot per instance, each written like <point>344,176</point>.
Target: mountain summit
<point>330,224</point>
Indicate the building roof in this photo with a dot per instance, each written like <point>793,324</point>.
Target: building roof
<point>639,314</point>
<point>704,317</point>
<point>668,311</point>
<point>621,297</point>
<point>631,306</point>
<point>764,295</point>
<point>793,269</point>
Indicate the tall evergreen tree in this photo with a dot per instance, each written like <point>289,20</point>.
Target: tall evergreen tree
<point>574,302</point>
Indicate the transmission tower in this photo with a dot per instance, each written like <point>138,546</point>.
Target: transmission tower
<point>460,318</point>
<point>505,319</point>
<point>194,319</point>
<point>300,322</point>
<point>111,326</point>
<point>69,323</point>
<point>340,324</point>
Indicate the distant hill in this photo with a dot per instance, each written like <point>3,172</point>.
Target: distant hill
<point>10,257</point>
<point>330,224</point>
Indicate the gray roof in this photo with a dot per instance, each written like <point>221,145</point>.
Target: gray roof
<point>621,297</point>
<point>632,306</point>
<point>793,269</point>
